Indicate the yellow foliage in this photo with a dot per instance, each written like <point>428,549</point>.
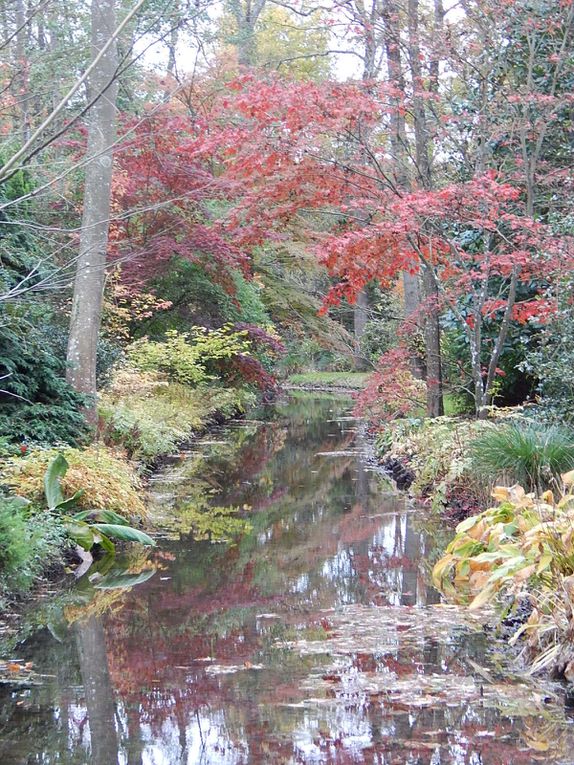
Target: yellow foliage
<point>108,480</point>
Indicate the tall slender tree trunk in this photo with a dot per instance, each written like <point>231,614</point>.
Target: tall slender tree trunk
<point>435,407</point>
<point>22,94</point>
<point>398,144</point>
<point>90,272</point>
<point>246,13</point>
<point>360,318</point>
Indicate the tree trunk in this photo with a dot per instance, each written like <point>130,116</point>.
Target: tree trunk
<point>90,272</point>
<point>22,94</point>
<point>435,406</point>
<point>398,142</point>
<point>246,13</point>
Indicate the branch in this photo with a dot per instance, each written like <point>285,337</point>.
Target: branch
<point>73,90</point>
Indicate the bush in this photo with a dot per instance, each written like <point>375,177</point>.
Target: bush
<point>38,405</point>
<point>150,417</point>
<point>108,481</point>
<point>528,453</point>
<point>188,358</point>
<point>28,543</point>
<point>437,453</point>
<point>392,390</point>
<point>195,298</point>
<point>520,553</point>
<point>551,359</point>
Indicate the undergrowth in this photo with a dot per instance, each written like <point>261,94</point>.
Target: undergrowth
<point>108,480</point>
<point>151,417</point>
<point>520,550</point>
<point>29,542</point>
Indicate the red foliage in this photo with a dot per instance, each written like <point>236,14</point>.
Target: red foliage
<point>160,196</point>
<point>392,390</point>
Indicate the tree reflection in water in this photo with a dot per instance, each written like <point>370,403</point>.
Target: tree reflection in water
<point>235,653</point>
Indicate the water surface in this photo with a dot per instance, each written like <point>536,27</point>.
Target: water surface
<point>314,638</point>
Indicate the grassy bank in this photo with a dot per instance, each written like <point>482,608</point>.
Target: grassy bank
<point>351,381</point>
<point>454,463</point>
<point>142,418</point>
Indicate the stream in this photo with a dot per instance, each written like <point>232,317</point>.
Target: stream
<point>312,637</point>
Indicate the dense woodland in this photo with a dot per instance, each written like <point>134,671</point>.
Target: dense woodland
<point>204,201</point>
<point>382,185</point>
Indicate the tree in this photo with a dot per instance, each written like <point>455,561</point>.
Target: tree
<point>90,275</point>
<point>298,147</point>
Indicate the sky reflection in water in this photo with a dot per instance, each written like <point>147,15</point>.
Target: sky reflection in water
<point>314,639</point>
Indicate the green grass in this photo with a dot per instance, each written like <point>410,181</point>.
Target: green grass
<point>350,380</point>
<point>531,454</point>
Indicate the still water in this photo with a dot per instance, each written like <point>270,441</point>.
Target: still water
<point>312,637</point>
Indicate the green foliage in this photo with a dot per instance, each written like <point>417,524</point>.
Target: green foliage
<point>551,359</point>
<point>188,358</point>
<point>521,550</point>
<point>437,452</point>
<point>514,384</point>
<point>36,404</point>
<point>528,453</point>
<point>350,380</point>
<point>381,330</point>
<point>521,538</point>
<point>196,299</point>
<point>150,417</point>
<point>28,543</point>
<point>88,527</point>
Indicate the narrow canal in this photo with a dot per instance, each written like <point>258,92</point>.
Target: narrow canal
<point>312,637</point>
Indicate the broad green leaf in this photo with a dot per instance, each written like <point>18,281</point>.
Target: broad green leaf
<point>57,469</point>
<point>105,543</point>
<point>108,516</point>
<point>124,533</point>
<point>103,516</point>
<point>68,504</point>
<point>544,563</point>
<point>467,524</point>
<point>81,533</point>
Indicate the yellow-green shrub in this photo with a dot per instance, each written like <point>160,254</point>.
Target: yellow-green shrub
<point>524,539</point>
<point>188,357</point>
<point>107,479</point>
<point>522,546</point>
<point>155,418</point>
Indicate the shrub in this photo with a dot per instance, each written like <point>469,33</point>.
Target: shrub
<point>520,551</point>
<point>108,481</point>
<point>392,390</point>
<point>38,405</point>
<point>528,453</point>
<point>28,543</point>
<point>188,358</point>
<point>86,527</point>
<point>437,452</point>
<point>150,417</point>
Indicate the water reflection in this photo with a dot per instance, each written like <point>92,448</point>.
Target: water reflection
<point>313,638</point>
